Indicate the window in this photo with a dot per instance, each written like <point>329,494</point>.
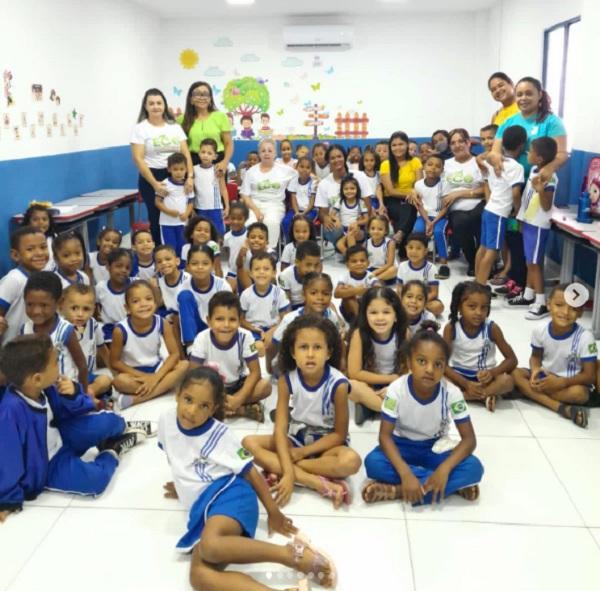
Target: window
<point>561,51</point>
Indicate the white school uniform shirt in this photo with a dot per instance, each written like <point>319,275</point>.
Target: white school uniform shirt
<point>142,349</point>
<point>264,310</point>
<point>377,253</point>
<point>462,175</point>
<point>292,163</point>
<point>321,172</point>
<point>159,141</point>
<point>415,325</point>
<point>289,253</point>
<point>563,355</point>
<point>112,303</point>
<point>471,354</point>
<point>185,249</point>
<point>501,187</point>
<point>349,214</point>
<point>234,242</point>
<point>347,278</point>
<point>426,273</point>
<point>330,313</point>
<point>12,286</point>
<point>385,354</point>
<point>100,272</point>
<point>176,199</point>
<point>60,335</point>
<point>292,283</point>
<point>90,338</point>
<point>431,196</point>
<point>328,191</point>
<point>314,406</point>
<point>146,272</point>
<point>206,185</point>
<point>372,182</point>
<point>65,281</point>
<point>200,456</point>
<point>50,264</point>
<point>203,297</point>
<point>531,210</point>
<point>420,420</point>
<point>170,292</point>
<point>303,191</point>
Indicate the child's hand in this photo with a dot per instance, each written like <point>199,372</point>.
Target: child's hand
<point>232,403</point>
<point>412,491</point>
<point>283,490</point>
<point>413,198</point>
<point>226,211</point>
<point>147,385</point>
<point>485,377</point>
<point>297,454</point>
<point>184,216</point>
<point>65,386</point>
<point>551,383</point>
<point>538,184</point>
<point>428,228</point>
<point>436,483</point>
<point>278,523</point>
<point>170,492</point>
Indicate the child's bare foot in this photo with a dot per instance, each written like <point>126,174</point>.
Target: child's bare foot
<point>490,403</point>
<point>333,490</point>
<point>375,492</point>
<point>254,411</point>
<point>470,493</point>
<point>312,562</point>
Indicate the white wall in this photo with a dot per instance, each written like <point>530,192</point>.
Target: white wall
<point>410,72</point>
<point>98,56</point>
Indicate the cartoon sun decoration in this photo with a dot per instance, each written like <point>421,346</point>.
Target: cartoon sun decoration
<point>188,59</point>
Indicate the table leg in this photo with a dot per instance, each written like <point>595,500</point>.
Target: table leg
<point>85,235</point>
<point>109,218</point>
<point>568,254</point>
<point>596,309</point>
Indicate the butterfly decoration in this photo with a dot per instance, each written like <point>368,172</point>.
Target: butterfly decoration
<point>329,70</point>
<point>280,112</point>
<point>308,104</point>
<point>286,84</point>
<point>262,80</point>
<point>360,102</point>
<point>215,89</point>
<point>177,91</point>
<point>316,86</point>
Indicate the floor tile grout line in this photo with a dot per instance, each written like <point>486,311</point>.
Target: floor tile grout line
<point>410,555</point>
<point>596,540</point>
<point>505,523</point>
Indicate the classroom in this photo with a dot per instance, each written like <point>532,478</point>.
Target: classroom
<point>299,296</point>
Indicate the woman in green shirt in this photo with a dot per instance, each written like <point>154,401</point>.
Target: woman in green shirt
<point>202,120</point>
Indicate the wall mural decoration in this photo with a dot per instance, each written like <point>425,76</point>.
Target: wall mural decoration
<point>188,59</point>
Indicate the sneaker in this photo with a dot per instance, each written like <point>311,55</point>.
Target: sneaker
<point>146,428</point>
<point>122,444</point>
<point>443,272</point>
<point>362,413</point>
<point>520,300</point>
<point>537,311</point>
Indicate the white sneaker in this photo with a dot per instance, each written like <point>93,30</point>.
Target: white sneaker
<point>146,428</point>
<point>537,311</point>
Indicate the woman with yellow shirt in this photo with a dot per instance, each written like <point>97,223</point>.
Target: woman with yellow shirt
<point>398,177</point>
<point>503,91</point>
<point>202,120</point>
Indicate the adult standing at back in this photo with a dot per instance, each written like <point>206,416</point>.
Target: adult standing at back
<point>463,194</point>
<point>503,91</point>
<point>202,120</point>
<point>398,177</point>
<point>155,137</point>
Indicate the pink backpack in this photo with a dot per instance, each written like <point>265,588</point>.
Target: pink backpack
<point>593,185</point>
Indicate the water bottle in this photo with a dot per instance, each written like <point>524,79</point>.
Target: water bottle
<point>584,209</point>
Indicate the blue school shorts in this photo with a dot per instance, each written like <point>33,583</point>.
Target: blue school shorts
<point>534,243</point>
<point>493,228</point>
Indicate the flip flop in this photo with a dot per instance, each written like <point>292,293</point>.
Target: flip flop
<point>300,543</point>
<point>578,414</point>
<point>329,493</point>
<point>470,493</point>
<point>347,499</point>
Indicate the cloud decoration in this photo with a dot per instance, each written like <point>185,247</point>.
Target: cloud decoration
<point>250,57</point>
<point>223,42</point>
<point>291,62</point>
<point>214,71</point>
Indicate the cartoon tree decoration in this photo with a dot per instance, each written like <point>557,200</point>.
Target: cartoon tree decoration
<point>246,96</point>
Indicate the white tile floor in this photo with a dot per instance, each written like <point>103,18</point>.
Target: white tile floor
<point>535,527</point>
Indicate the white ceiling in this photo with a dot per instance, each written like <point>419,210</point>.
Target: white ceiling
<point>266,8</point>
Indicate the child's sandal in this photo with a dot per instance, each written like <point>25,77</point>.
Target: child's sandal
<point>578,414</point>
<point>319,563</point>
<point>381,490</point>
<point>469,493</point>
<point>490,403</point>
<point>347,495</point>
<point>329,493</point>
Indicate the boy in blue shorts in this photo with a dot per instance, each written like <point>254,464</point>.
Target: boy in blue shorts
<point>503,195</point>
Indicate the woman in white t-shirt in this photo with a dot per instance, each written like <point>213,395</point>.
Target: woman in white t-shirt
<point>155,137</point>
<point>263,190</point>
<point>463,194</point>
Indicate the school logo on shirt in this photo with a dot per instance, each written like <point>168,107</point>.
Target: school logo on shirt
<point>244,454</point>
<point>253,347</point>
<point>389,404</point>
<point>592,348</point>
<point>458,407</point>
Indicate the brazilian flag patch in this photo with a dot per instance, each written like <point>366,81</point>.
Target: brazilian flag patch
<point>253,347</point>
<point>458,407</point>
<point>244,454</point>
<point>389,404</point>
<point>592,348</point>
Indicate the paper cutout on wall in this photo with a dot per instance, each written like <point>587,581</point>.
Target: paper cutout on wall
<point>249,57</point>
<point>280,112</point>
<point>188,59</point>
<point>37,92</point>
<point>351,125</point>
<point>214,71</point>
<point>316,86</point>
<point>286,85</point>
<point>54,97</point>
<point>315,117</point>
<point>223,42</point>
<point>292,62</point>
<point>215,90</point>
<point>177,91</point>
<point>329,70</point>
<point>246,96</point>
<point>8,95</point>
<point>262,80</point>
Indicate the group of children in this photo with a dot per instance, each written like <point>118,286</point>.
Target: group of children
<point>161,318</point>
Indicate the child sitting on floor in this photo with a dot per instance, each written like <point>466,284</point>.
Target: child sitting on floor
<point>308,260</point>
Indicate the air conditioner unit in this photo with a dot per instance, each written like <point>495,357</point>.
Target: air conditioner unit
<point>319,37</point>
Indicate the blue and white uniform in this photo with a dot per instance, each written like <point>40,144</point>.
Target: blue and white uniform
<point>291,282</point>
<point>60,335</point>
<point>425,273</point>
<point>385,354</point>
<point>472,353</point>
<point>211,244</point>
<point>81,278</point>
<point>234,241</point>
<point>418,426</point>
<point>90,338</point>
<point>288,255</point>
<point>12,287</point>
<point>170,292</point>
<point>415,325</point>
<point>564,354</point>
<point>264,310</point>
<point>112,307</point>
<point>142,351</point>
<point>171,227</point>
<point>303,191</point>
<point>377,253</point>
<point>100,272</point>
<point>312,412</point>
<point>330,313</point>
<point>193,305</point>
<point>139,271</point>
<point>208,465</point>
<point>208,202</point>
<point>352,280</point>
<point>349,214</point>
<point>432,197</point>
